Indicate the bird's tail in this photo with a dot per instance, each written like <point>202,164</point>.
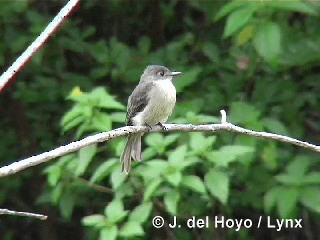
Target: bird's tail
<point>132,149</point>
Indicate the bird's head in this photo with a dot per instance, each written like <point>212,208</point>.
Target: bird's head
<point>158,73</point>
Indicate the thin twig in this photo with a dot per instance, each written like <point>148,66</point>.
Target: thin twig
<point>124,131</point>
<point>37,44</point>
<point>23,214</point>
<point>223,116</point>
<point>95,186</point>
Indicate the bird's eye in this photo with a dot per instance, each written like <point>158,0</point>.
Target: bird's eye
<point>161,73</point>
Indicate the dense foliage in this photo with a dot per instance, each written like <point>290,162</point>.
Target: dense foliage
<point>258,60</point>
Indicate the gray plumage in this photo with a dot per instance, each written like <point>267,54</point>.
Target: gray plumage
<point>150,103</point>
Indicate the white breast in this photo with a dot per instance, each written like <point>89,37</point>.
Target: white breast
<point>162,99</point>
<point>166,88</point>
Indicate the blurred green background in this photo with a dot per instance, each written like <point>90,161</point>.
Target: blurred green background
<point>257,60</point>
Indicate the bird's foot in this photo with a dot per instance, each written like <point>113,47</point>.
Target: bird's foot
<point>162,126</point>
<point>149,127</point>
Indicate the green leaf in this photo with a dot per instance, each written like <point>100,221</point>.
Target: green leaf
<point>287,201</point>
<point>57,193</point>
<point>312,178</point>
<point>131,229</point>
<point>73,123</point>
<point>72,118</point>
<point>54,174</point>
<point>228,154</point>
<point>299,166</point>
<point>118,117</point>
<point>171,200</point>
<point>242,112</point>
<point>99,51</point>
<point>211,51</point>
<point>267,41</point>
<point>168,140</point>
<point>237,150</point>
<point>187,78</point>
<point>154,139</point>
<point>296,173</point>
<point>310,197</point>
<point>66,204</point>
<point>270,199</point>
<point>105,100</point>
<point>76,95</point>
<point>197,141</point>
<point>103,170</point>
<point>294,57</point>
<point>295,6</point>
<point>151,188</point>
<point>202,118</point>
<point>93,220</point>
<point>270,155</point>
<point>126,190</point>
<point>149,153</point>
<point>144,44</point>
<point>177,157</point>
<point>88,32</point>
<point>229,7</point>
<point>141,213</point>
<point>238,19</point>
<point>117,177</point>
<point>101,122</point>
<point>108,233</point>
<point>289,179</point>
<point>99,71</point>
<point>275,126</point>
<point>85,156</point>
<point>118,147</point>
<point>189,161</point>
<point>174,178</point>
<point>221,158</point>
<point>245,34</point>
<point>194,183</point>
<point>115,212</point>
<point>217,183</point>
<point>154,169</point>
<point>85,126</point>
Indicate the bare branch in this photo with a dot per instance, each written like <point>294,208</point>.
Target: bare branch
<point>95,186</point>
<point>23,214</point>
<point>37,44</point>
<point>124,131</point>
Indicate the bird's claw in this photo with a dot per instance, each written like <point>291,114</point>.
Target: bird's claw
<point>162,126</point>
<point>149,127</point>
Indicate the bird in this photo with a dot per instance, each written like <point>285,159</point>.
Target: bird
<point>151,103</point>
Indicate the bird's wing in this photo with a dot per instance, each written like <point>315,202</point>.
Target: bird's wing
<point>138,100</point>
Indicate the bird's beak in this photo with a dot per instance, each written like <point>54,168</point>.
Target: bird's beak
<point>175,73</point>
